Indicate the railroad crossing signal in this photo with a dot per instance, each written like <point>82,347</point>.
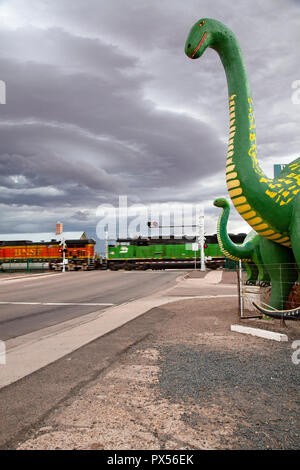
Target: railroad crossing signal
<point>152,224</point>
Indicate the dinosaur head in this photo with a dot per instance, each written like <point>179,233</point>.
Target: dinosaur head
<point>221,202</point>
<point>207,32</point>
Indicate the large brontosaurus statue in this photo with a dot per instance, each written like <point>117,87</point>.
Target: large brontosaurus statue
<point>257,252</point>
<point>270,206</point>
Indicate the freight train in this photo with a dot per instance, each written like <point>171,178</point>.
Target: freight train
<point>78,253</point>
<point>162,253</point>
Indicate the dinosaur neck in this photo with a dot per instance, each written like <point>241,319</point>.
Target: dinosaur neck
<point>248,186</point>
<point>230,249</point>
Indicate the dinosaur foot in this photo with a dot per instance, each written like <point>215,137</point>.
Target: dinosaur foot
<point>263,283</point>
<point>250,283</point>
<point>293,314</point>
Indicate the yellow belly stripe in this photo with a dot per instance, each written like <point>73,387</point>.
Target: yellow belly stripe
<point>266,232</point>
<point>230,168</point>
<point>233,184</point>
<point>231,176</point>
<point>249,215</point>
<point>229,161</point>
<point>255,221</point>
<point>284,239</point>
<point>239,200</point>
<point>243,208</point>
<point>235,192</point>
<point>260,226</point>
<point>274,237</point>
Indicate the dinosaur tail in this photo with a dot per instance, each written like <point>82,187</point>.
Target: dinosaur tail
<point>293,314</point>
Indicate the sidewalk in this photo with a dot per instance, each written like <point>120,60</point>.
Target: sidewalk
<point>189,383</point>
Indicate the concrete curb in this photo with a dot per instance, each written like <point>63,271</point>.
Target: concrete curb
<point>247,330</point>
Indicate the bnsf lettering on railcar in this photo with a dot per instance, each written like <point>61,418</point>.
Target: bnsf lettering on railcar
<point>28,252</point>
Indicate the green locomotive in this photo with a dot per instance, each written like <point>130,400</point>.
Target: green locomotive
<point>162,253</point>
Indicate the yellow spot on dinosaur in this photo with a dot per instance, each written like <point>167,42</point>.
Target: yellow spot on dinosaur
<point>264,180</point>
<point>271,193</point>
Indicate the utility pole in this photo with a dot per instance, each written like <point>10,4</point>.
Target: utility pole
<point>106,246</point>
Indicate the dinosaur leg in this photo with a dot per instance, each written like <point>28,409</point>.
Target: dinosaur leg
<point>279,261</point>
<point>295,234</point>
<point>263,278</point>
<point>252,273</point>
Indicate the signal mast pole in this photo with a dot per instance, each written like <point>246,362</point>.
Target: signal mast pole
<point>201,241</point>
<point>64,255</point>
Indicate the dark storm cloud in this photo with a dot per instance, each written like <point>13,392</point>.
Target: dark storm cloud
<point>101,101</point>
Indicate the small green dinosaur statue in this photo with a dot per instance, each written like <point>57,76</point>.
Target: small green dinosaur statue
<point>259,251</point>
<point>270,206</point>
<point>248,251</point>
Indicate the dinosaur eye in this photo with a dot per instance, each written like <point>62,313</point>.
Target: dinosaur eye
<point>201,23</point>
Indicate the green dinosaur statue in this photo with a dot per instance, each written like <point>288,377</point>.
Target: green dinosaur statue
<point>257,251</point>
<point>248,252</point>
<point>270,206</point>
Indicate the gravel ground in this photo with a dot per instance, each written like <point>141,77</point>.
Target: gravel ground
<point>190,384</point>
<point>257,387</point>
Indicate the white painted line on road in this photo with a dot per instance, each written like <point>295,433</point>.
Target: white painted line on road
<point>266,334</point>
<point>58,303</point>
<point>34,277</point>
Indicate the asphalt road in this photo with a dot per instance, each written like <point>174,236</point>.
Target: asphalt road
<point>31,303</point>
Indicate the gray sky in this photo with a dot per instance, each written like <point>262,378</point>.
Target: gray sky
<point>102,101</point>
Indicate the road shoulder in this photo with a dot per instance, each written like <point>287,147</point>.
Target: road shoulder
<point>187,382</point>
